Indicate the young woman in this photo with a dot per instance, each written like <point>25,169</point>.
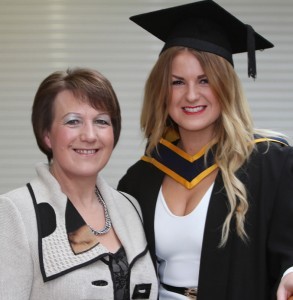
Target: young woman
<point>68,234</point>
<point>216,194</point>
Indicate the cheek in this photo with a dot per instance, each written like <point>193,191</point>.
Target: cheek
<point>107,136</point>
<point>60,137</point>
<point>173,109</point>
<point>175,95</point>
<point>172,102</point>
<point>111,140</point>
<point>214,101</point>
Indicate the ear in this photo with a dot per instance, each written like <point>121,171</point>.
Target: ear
<point>47,139</point>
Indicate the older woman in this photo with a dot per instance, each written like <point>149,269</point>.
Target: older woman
<point>67,234</point>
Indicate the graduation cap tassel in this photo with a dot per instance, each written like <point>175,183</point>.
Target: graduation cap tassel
<point>251,52</point>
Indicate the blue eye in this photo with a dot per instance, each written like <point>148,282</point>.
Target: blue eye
<point>72,122</point>
<point>103,122</point>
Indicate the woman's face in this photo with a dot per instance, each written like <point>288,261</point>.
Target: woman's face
<point>81,137</point>
<point>193,106</point>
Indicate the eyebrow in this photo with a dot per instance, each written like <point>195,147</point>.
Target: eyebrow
<point>198,77</point>
<point>80,115</point>
<point>176,76</point>
<point>71,113</point>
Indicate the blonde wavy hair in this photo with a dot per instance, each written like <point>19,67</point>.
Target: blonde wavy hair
<point>234,132</point>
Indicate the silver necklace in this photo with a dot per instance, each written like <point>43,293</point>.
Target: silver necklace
<point>108,223</point>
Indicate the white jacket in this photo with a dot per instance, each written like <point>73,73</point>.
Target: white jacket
<point>44,267</point>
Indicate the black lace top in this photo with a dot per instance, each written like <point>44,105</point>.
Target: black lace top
<point>118,266</point>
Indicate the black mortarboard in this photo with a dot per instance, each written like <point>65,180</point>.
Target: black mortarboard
<point>204,26</point>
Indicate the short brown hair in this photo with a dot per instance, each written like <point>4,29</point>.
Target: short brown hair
<point>86,84</point>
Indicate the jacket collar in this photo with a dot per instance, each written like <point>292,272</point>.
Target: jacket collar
<point>55,253</point>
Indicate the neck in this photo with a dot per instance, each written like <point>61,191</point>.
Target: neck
<point>193,142</point>
<point>191,147</point>
<point>80,190</point>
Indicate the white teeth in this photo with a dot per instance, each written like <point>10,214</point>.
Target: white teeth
<point>84,151</point>
<point>193,109</point>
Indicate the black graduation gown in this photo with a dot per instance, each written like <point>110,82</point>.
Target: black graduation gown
<point>242,271</point>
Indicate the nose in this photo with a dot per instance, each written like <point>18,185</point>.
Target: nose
<point>192,93</point>
<point>88,133</point>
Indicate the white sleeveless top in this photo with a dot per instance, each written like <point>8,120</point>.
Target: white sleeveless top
<point>178,244</point>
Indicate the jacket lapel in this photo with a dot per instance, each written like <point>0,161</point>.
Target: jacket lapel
<point>126,224</point>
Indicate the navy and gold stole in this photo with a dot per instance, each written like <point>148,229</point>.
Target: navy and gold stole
<point>187,169</point>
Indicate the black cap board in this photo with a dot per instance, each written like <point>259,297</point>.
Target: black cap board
<point>204,26</point>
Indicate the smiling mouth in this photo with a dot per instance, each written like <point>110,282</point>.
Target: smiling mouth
<point>193,109</point>
<point>86,151</point>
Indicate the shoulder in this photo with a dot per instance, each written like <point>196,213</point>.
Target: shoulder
<point>273,146</point>
<point>273,154</point>
<point>17,197</point>
<point>16,215</point>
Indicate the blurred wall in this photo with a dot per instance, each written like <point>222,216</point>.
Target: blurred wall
<point>38,37</point>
